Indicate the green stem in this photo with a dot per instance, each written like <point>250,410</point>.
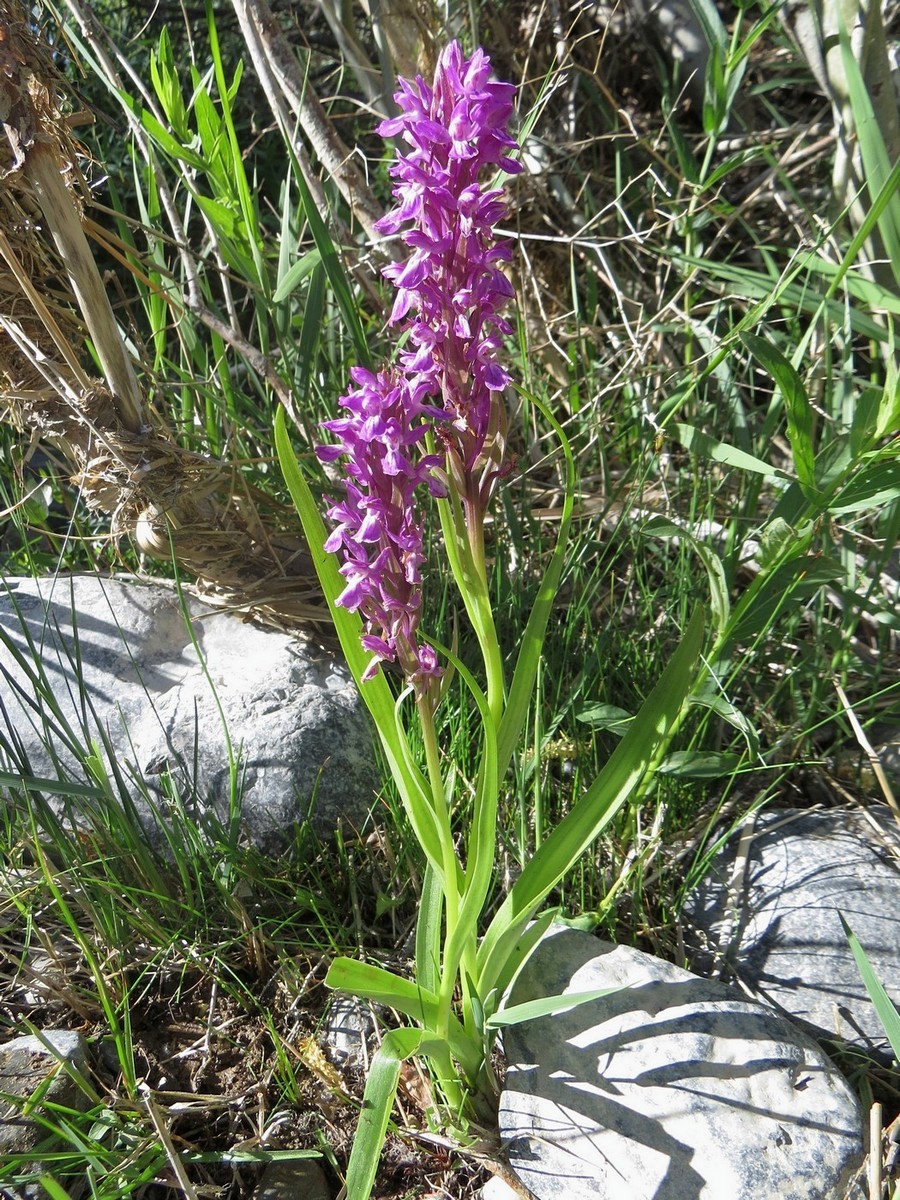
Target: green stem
<point>449,861</point>
<point>464,541</point>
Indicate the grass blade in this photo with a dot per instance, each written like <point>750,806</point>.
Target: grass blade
<point>884,1006</point>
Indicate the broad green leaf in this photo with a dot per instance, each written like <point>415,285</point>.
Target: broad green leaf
<point>788,585</point>
<point>888,424</point>
<point>211,130</point>
<point>54,1188</point>
<point>870,487</point>
<point>709,447</point>
<point>798,410</point>
<point>884,1006</point>
<point>865,419</point>
<point>699,764</point>
<point>546,1006</point>
<point>162,137</point>
<point>723,708</point>
<point>296,274</point>
<point>221,217</point>
<point>606,716</point>
<point>428,932</point>
<point>374,983</point>
<point>383,987</point>
<point>527,942</point>
<point>626,769</point>
<point>779,537</point>
<point>378,1101</point>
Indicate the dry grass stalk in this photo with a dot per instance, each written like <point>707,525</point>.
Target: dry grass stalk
<point>124,459</point>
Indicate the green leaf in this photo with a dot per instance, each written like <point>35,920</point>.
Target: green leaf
<point>884,1006</point>
<point>334,269</point>
<point>709,447</point>
<point>724,709</point>
<point>525,945</point>
<point>378,1100</point>
<point>546,1006</point>
<point>221,217</point>
<point>888,424</point>
<point>794,296</point>
<point>162,137</point>
<point>311,330</point>
<point>869,487</point>
<point>699,764</point>
<point>53,787</point>
<point>296,274</point>
<point>167,86</point>
<point>54,1188</point>
<point>428,932</point>
<point>532,642</point>
<point>626,769</point>
<point>797,407</point>
<point>374,983</point>
<point>879,171</point>
<point>606,716</point>
<point>778,538</point>
<point>787,585</point>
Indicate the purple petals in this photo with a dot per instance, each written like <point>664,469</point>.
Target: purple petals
<point>377,524</point>
<point>450,290</point>
<point>447,378</point>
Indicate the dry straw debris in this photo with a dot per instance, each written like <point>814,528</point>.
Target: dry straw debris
<point>122,456</point>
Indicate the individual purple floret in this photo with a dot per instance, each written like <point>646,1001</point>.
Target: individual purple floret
<point>377,522</point>
<point>451,289</point>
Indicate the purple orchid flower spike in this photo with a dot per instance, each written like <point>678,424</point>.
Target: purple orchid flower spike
<point>448,379</point>
<point>377,523</point>
<point>451,289</point>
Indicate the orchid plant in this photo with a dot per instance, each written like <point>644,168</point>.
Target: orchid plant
<point>425,431</point>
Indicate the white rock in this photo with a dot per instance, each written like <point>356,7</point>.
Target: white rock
<point>776,927</point>
<point>673,1088</point>
<point>295,721</point>
<point>497,1189</point>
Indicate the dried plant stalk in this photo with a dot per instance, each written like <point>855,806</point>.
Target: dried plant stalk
<point>123,458</point>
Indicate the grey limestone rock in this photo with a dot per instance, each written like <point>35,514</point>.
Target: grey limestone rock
<point>162,700</point>
<point>766,915</point>
<point>671,1088</point>
<point>293,1179</point>
<point>349,1029</point>
<point>25,1065</point>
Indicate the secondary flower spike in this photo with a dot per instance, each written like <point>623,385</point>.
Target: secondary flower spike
<point>377,523</point>
<point>448,378</point>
